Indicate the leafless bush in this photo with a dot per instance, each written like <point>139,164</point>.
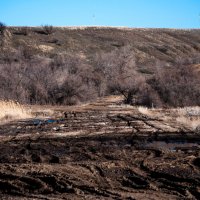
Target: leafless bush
<point>48,29</point>
<point>2,27</point>
<point>177,86</point>
<point>40,80</point>
<point>148,97</point>
<point>28,77</point>
<point>22,31</point>
<point>45,30</point>
<point>118,69</point>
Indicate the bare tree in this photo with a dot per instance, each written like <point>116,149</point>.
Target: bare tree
<point>119,68</point>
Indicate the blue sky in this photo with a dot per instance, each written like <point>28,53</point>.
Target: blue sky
<point>131,13</point>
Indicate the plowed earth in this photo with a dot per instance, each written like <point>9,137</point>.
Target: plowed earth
<point>99,151</point>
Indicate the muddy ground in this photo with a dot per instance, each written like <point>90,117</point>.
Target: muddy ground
<point>99,151</point>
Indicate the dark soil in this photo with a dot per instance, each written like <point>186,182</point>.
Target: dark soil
<point>99,152</point>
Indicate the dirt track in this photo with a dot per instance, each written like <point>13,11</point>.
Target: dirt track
<point>99,151</point>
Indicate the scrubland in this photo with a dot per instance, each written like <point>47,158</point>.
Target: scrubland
<point>99,113</point>
<point>61,66</point>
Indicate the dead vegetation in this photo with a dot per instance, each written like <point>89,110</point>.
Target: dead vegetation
<point>145,72</point>
<point>69,79</point>
<point>2,28</point>
<point>190,116</point>
<point>103,149</point>
<point>187,116</point>
<point>10,110</point>
<point>177,86</point>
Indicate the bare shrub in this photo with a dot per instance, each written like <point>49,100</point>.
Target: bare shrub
<point>73,80</point>
<point>116,73</point>
<point>71,92</point>
<point>177,86</point>
<point>118,70</point>
<point>64,79</point>
<point>45,30</point>
<point>148,97</point>
<point>69,79</point>
<point>2,27</point>
<point>22,31</point>
<point>48,29</point>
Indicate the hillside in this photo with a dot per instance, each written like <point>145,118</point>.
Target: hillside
<point>107,144</point>
<point>147,44</point>
<point>60,65</point>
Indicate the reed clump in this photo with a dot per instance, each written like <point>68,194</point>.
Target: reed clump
<point>11,110</point>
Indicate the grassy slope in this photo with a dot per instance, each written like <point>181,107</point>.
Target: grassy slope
<point>148,44</point>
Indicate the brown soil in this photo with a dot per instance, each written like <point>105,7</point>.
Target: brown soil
<point>99,151</point>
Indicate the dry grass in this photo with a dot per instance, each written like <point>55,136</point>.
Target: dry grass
<point>189,111</point>
<point>193,124</point>
<point>189,116</point>
<point>10,110</point>
<point>144,110</point>
<point>151,112</point>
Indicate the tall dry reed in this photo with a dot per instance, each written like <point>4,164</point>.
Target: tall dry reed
<point>11,110</point>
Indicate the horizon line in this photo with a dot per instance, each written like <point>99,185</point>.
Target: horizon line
<point>103,26</point>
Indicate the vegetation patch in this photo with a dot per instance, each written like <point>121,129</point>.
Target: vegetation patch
<point>11,110</point>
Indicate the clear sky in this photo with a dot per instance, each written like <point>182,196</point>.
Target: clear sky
<point>131,13</point>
